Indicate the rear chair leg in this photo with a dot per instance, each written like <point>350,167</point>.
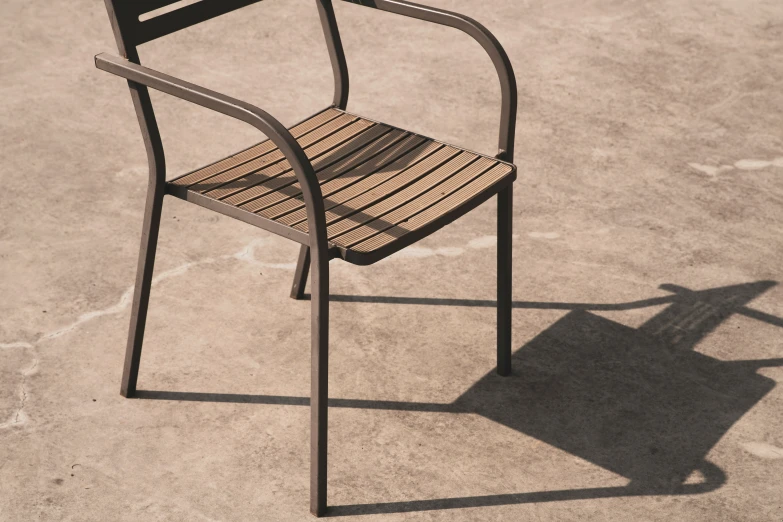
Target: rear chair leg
<point>505,206</point>
<point>319,382</point>
<point>141,293</point>
<point>300,277</point>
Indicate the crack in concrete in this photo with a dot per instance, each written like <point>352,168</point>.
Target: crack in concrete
<point>21,404</point>
<point>19,416</point>
<point>743,164</point>
<point>18,344</point>
<point>246,254</point>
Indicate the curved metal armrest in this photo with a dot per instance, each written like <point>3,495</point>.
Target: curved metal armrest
<point>508,83</point>
<point>240,110</point>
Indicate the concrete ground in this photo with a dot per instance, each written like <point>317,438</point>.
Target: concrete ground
<point>647,324</point>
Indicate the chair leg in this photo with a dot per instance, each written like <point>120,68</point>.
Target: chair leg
<point>300,277</point>
<point>505,206</point>
<point>141,292</point>
<point>319,381</point>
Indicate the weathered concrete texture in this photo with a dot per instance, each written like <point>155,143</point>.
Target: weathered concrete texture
<point>650,146</point>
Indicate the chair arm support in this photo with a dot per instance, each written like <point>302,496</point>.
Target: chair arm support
<point>508,83</point>
<point>261,120</point>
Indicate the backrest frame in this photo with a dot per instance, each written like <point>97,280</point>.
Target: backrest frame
<point>133,32</point>
<point>130,32</point>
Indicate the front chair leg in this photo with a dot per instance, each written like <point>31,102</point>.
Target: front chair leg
<point>141,292</point>
<point>505,206</point>
<point>300,276</point>
<point>319,381</point>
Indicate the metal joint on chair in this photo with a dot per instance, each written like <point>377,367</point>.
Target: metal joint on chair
<point>240,110</point>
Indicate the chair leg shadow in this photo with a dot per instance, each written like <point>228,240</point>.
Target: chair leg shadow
<point>713,476</point>
<point>639,402</point>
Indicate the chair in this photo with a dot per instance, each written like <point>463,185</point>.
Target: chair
<point>340,185</point>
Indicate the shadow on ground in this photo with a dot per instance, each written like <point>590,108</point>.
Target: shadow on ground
<point>639,402</point>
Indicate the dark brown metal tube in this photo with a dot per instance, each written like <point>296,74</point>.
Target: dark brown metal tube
<point>336,54</point>
<point>508,83</point>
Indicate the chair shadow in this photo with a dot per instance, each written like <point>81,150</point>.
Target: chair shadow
<point>639,402</point>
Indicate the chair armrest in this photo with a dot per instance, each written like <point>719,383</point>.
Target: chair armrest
<point>508,83</point>
<point>239,110</point>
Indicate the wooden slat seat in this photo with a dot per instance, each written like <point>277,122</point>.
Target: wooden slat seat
<point>383,187</point>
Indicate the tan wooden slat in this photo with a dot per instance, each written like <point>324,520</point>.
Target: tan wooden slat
<point>353,146</point>
<point>287,185</point>
<point>387,204</point>
<point>255,151</point>
<point>441,208</point>
<point>290,197</point>
<point>378,167</point>
<point>368,182</point>
<point>258,183</point>
<point>336,217</point>
<point>271,158</point>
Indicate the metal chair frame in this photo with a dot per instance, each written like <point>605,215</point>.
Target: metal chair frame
<point>316,251</point>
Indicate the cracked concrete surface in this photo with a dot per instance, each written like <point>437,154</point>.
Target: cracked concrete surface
<point>246,254</point>
<point>648,314</point>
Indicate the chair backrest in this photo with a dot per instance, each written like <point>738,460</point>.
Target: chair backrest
<point>132,27</point>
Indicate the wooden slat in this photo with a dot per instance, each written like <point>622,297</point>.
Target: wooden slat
<point>433,212</point>
<point>369,162</point>
<point>351,146</point>
<point>270,158</point>
<point>355,227</point>
<point>291,198</point>
<point>258,183</point>
<point>336,215</point>
<point>367,182</point>
<point>255,151</point>
<point>348,220</point>
<point>287,186</point>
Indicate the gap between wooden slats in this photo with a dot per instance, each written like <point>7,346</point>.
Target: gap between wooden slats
<point>337,217</point>
<point>417,196</point>
<point>412,193</point>
<point>270,158</point>
<point>322,166</point>
<point>378,222</point>
<point>441,208</point>
<point>136,9</point>
<point>182,17</point>
<point>255,151</point>
<point>291,199</point>
<point>388,162</point>
<point>260,182</point>
<point>369,183</point>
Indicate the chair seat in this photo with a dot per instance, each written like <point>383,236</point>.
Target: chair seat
<point>384,188</point>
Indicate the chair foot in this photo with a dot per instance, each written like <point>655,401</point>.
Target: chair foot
<point>300,276</point>
<point>505,207</point>
<point>141,292</point>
